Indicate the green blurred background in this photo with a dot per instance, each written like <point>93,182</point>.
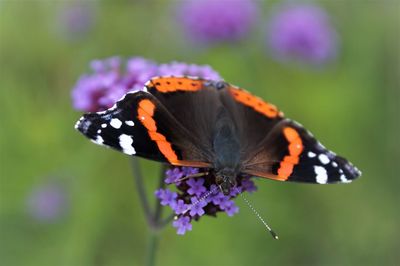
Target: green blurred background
<point>351,105</point>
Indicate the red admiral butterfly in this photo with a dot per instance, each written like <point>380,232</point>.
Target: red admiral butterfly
<point>187,121</point>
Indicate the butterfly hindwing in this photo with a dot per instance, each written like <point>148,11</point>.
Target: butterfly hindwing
<point>291,153</point>
<point>140,125</point>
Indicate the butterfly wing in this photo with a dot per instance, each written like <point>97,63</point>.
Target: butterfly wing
<point>280,149</point>
<point>140,125</point>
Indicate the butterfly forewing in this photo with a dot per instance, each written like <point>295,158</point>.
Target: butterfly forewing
<point>140,125</point>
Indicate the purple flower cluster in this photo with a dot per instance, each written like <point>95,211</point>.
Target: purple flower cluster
<point>209,21</point>
<point>112,78</point>
<point>198,196</point>
<point>303,33</point>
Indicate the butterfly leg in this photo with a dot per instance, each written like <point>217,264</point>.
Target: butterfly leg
<point>192,176</point>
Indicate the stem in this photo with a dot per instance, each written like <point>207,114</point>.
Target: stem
<point>151,249</point>
<point>153,219</point>
<point>166,220</point>
<point>137,175</point>
<point>158,207</point>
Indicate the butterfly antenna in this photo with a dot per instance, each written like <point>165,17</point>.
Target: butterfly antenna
<point>274,235</point>
<point>205,196</point>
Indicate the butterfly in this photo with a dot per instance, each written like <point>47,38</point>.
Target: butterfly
<point>189,121</point>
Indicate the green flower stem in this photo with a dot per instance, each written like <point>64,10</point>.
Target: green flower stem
<point>154,219</point>
<point>137,175</point>
<point>152,247</point>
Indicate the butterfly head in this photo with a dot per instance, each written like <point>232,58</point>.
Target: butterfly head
<point>226,180</point>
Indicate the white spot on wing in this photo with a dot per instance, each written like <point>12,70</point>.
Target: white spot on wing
<point>126,142</point>
<point>334,164</point>
<point>344,179</point>
<point>77,123</point>
<point>323,158</point>
<point>104,125</point>
<point>116,123</point>
<point>130,123</point>
<point>99,140</point>
<point>311,154</point>
<point>322,175</point>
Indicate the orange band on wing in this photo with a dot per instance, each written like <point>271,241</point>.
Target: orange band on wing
<point>172,84</point>
<point>256,103</point>
<point>145,114</point>
<point>295,149</point>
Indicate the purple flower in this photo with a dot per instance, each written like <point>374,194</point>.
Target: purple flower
<point>302,32</point>
<point>182,224</point>
<point>197,196</point>
<point>166,196</point>
<point>75,19</point>
<point>209,21</point>
<point>197,207</point>
<point>112,78</point>
<point>47,202</point>
<point>230,208</point>
<point>187,171</point>
<point>173,175</point>
<point>196,186</point>
<point>218,198</point>
<point>248,185</point>
<point>180,207</point>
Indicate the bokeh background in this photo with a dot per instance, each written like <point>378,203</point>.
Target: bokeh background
<point>65,201</point>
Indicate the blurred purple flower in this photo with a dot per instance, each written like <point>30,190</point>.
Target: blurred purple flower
<point>75,19</point>
<point>199,196</point>
<point>47,202</point>
<point>209,21</point>
<point>302,32</point>
<point>111,79</point>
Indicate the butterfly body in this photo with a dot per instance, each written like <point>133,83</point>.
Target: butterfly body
<point>226,147</point>
<point>185,121</point>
